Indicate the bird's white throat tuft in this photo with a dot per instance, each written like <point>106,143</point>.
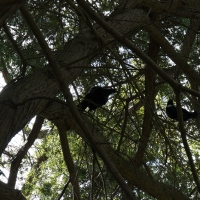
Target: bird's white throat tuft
<point>170,105</point>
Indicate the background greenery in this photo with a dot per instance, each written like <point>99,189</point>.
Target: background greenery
<point>125,126</point>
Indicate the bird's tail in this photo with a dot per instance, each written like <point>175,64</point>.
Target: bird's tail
<point>194,114</point>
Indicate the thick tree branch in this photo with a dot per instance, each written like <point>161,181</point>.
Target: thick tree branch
<point>135,49</point>
<point>135,176</point>
<point>73,108</point>
<point>8,8</point>
<point>77,49</point>
<point>184,139</point>
<point>77,53</point>
<point>149,104</point>
<point>176,8</point>
<point>8,193</point>
<point>62,127</point>
<point>176,57</point>
<point>17,160</point>
<point>189,39</point>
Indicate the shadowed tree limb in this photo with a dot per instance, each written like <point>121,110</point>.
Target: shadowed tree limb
<point>8,193</point>
<point>176,57</point>
<point>62,128</point>
<point>184,139</point>
<point>135,176</point>
<point>149,104</point>
<point>8,8</point>
<point>64,88</point>
<point>17,49</point>
<point>136,50</point>
<point>23,151</point>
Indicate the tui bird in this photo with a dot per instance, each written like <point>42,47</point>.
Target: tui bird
<point>172,113</point>
<point>95,98</point>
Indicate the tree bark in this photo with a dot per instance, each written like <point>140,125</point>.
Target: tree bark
<point>26,97</point>
<point>18,100</point>
<point>132,174</point>
<point>8,8</point>
<point>23,151</point>
<point>8,193</point>
<point>61,125</point>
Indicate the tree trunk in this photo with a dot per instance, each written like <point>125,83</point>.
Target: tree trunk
<point>19,100</point>
<point>7,193</point>
<point>132,174</point>
<point>24,98</point>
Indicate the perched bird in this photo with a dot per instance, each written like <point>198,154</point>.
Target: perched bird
<point>172,113</point>
<point>95,98</point>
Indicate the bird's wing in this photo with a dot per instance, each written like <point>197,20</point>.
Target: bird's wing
<point>83,105</point>
<point>171,112</point>
<point>184,111</point>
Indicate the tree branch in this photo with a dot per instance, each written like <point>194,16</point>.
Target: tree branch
<point>135,49</point>
<point>149,104</point>
<point>17,49</point>
<point>8,193</point>
<point>176,57</point>
<point>59,76</point>
<point>62,127</point>
<point>135,176</point>
<point>8,8</point>
<point>184,139</point>
<point>23,151</point>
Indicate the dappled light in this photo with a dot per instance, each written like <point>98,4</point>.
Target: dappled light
<point>100,100</point>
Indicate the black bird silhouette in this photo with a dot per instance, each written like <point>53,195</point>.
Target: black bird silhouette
<point>95,98</point>
<point>172,113</point>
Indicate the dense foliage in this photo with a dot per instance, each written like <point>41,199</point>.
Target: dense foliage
<point>133,122</point>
